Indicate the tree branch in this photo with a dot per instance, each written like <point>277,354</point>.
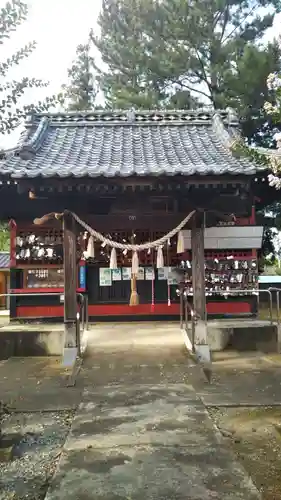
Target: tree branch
<point>187,87</point>
<point>240,24</point>
<point>225,21</point>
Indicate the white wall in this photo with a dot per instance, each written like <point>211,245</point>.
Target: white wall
<point>229,237</point>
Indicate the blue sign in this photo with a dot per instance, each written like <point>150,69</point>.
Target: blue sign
<point>82,277</point>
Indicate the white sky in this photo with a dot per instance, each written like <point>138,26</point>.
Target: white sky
<point>58,26</point>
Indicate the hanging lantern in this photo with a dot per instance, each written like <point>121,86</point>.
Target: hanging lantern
<point>180,242</point>
<point>113,259</point>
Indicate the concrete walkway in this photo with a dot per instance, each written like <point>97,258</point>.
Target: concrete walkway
<point>140,431</point>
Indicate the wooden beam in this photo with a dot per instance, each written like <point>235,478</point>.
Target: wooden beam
<point>198,265</point>
<point>70,279</point>
<point>202,349</point>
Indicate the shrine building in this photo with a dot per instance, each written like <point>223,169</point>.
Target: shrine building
<point>133,176</point>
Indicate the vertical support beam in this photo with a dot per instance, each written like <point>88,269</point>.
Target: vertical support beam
<point>70,279</point>
<point>198,265</point>
<point>198,283</point>
<point>13,300</point>
<point>13,243</point>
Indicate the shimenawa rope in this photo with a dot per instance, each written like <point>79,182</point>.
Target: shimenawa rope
<point>135,248</point>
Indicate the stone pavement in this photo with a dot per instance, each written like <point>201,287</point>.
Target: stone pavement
<point>140,431</point>
<point>242,379</point>
<point>37,384</point>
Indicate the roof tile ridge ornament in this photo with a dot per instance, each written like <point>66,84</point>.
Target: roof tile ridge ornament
<point>138,116</point>
<point>233,118</point>
<point>203,116</point>
<point>86,117</point>
<point>31,143</point>
<point>174,116</point>
<point>131,115</point>
<point>221,130</point>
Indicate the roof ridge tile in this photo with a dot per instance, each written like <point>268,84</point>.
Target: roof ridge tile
<point>137,116</point>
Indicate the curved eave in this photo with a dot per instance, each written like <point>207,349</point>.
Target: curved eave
<point>211,173</point>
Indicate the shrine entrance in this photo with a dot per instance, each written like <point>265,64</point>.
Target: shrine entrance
<point>113,194</point>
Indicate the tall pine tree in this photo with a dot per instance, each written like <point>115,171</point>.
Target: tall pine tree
<point>156,50</point>
<point>247,91</point>
<point>81,91</point>
<point>12,15</point>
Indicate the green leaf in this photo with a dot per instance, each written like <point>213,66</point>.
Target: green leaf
<point>12,15</point>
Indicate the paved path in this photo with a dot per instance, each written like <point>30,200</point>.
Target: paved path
<point>140,431</point>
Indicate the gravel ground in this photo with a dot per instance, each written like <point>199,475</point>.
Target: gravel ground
<point>254,436</point>
<point>38,440</point>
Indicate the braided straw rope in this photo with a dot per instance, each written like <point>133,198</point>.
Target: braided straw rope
<point>134,248</point>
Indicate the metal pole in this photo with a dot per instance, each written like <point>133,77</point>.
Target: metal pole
<point>278,321</point>
<point>270,305</point>
<point>277,304</point>
<point>193,330</point>
<point>181,309</point>
<point>78,339</point>
<point>82,314</point>
<point>277,290</point>
<point>86,312</point>
<point>185,315</point>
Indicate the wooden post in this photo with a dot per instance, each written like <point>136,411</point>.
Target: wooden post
<point>199,293</point>
<point>198,265</point>
<point>70,279</point>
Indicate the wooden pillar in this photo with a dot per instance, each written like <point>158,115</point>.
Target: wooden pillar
<point>70,279</point>
<point>198,277</point>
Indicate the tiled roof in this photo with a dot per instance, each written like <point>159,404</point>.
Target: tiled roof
<point>4,260</point>
<point>126,143</point>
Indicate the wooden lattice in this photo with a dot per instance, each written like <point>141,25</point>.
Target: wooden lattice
<point>42,246</point>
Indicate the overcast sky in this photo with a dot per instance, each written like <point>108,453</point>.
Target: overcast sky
<point>58,26</point>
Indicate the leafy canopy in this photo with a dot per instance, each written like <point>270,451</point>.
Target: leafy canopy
<point>81,91</point>
<point>165,52</point>
<point>12,15</point>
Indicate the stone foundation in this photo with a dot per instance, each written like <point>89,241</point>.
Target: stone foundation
<point>31,340</point>
<point>243,335</point>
